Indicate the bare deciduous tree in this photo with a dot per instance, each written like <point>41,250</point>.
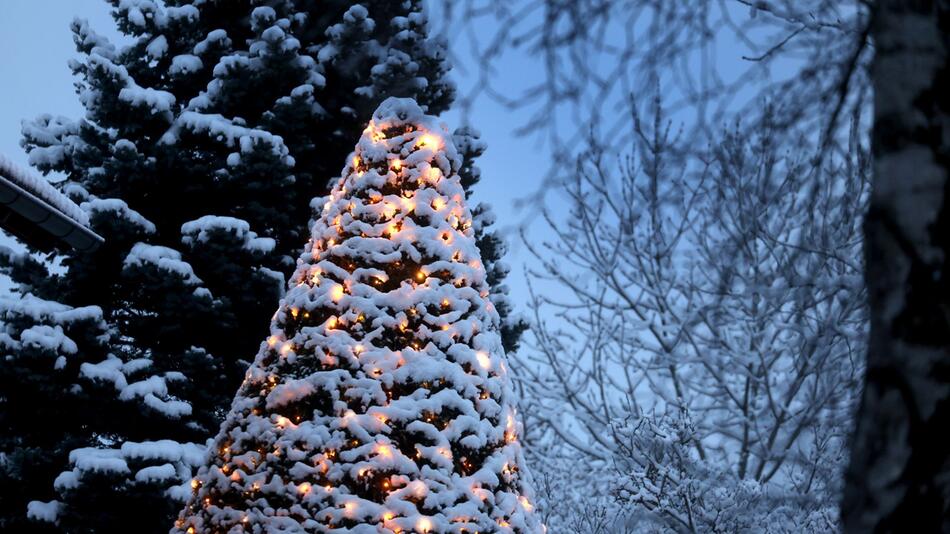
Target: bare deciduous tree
<point>701,329</point>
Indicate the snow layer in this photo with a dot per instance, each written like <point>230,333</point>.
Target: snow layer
<point>162,257</point>
<point>117,208</point>
<point>200,230</point>
<point>43,511</point>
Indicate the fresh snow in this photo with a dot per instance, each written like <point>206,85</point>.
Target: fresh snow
<point>118,209</point>
<point>154,100</point>
<point>43,511</point>
<point>48,337</point>
<point>157,48</point>
<point>185,64</point>
<point>199,231</point>
<point>162,257</point>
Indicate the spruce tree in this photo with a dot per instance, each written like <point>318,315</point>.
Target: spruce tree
<point>203,143</point>
<point>43,405</point>
<point>381,400</point>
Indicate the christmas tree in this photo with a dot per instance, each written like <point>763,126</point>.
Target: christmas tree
<point>381,401</point>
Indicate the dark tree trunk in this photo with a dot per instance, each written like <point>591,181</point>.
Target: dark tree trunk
<point>899,477</point>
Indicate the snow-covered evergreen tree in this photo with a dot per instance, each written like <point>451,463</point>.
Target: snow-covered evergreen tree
<point>204,141</point>
<point>43,407</point>
<point>381,400</point>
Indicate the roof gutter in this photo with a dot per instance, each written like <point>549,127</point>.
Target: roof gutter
<point>22,203</point>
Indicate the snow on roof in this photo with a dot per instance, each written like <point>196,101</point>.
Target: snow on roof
<point>42,189</point>
<point>38,213</point>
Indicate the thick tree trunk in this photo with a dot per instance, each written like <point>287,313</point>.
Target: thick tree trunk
<point>899,477</point>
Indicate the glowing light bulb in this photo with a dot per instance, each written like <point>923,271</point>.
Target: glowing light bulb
<point>282,421</point>
<point>336,293</point>
<point>525,503</point>
<point>483,359</point>
<point>350,508</point>
<point>438,204</point>
<point>384,451</point>
<point>358,349</point>
<point>397,165</point>
<point>510,433</point>
<point>272,341</point>
<point>428,140</point>
<point>434,174</point>
<point>331,323</point>
<point>304,488</point>
<point>285,348</point>
<point>195,483</point>
<point>420,275</point>
<point>388,516</point>
<point>424,525</point>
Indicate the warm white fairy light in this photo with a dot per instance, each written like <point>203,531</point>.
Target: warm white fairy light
<point>336,293</point>
<point>384,450</point>
<point>424,525</point>
<point>428,141</point>
<point>483,359</point>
